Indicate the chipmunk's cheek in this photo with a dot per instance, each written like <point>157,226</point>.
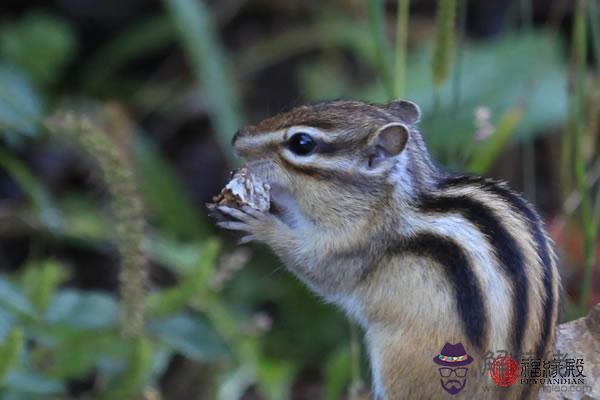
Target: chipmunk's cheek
<point>284,205</point>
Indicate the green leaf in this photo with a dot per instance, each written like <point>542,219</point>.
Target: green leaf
<point>194,282</point>
<point>7,321</point>
<point>32,384</point>
<point>135,376</point>
<point>83,310</point>
<point>70,349</point>
<point>12,298</point>
<point>40,281</point>
<point>20,106</point>
<point>81,220</point>
<point>527,70</point>
<point>233,384</point>
<point>275,378</point>
<point>35,190</point>
<point>337,373</point>
<point>9,351</point>
<point>179,257</point>
<point>190,336</point>
<point>40,44</point>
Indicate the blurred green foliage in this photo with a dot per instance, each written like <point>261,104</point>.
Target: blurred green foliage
<point>40,45</point>
<point>53,334</point>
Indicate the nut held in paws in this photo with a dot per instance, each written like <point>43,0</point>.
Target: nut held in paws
<point>244,189</point>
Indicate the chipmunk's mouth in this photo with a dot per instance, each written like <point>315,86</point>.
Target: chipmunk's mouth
<point>283,204</point>
<point>281,199</point>
<point>262,169</point>
<point>265,171</point>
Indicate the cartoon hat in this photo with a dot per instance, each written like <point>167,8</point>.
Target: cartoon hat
<point>453,355</point>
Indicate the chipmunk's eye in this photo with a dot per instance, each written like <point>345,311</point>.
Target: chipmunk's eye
<point>301,144</point>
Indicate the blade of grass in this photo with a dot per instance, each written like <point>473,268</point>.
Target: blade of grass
<point>528,157</point>
<point>337,374</point>
<point>193,281</point>
<point>356,383</point>
<point>444,41</point>
<point>442,57</point>
<point>401,47</point>
<point>596,211</point>
<point>199,40</point>
<point>578,110</point>
<point>594,20</point>
<point>165,195</point>
<point>33,188</point>
<point>460,49</point>
<point>376,11</point>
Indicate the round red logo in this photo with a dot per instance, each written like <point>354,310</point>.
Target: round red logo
<point>504,371</point>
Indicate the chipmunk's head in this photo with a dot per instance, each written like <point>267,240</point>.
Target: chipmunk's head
<point>336,159</point>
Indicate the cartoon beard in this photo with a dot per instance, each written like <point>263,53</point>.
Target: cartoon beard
<point>453,386</point>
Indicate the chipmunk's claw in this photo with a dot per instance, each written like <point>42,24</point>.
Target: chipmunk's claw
<point>246,239</point>
<point>247,219</point>
<point>233,226</point>
<point>234,213</point>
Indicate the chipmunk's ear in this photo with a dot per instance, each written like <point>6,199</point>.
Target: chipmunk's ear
<point>387,141</point>
<point>406,111</point>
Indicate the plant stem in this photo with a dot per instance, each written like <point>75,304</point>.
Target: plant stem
<point>460,47</point>
<point>528,164</point>
<point>444,41</point>
<point>401,47</point>
<point>594,18</point>
<point>578,110</point>
<point>210,67</point>
<point>376,10</point>
<point>112,163</point>
<point>355,376</point>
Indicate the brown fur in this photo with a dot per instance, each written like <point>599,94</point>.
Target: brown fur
<point>344,219</point>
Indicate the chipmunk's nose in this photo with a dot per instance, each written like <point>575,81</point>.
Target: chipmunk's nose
<point>250,144</point>
<point>235,137</point>
<point>238,149</point>
<point>246,145</point>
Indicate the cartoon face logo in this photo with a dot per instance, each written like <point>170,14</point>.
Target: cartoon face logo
<point>452,361</point>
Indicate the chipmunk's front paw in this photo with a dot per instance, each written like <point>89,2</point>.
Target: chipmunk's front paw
<point>257,224</point>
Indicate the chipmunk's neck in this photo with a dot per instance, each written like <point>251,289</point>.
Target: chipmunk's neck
<point>415,173</point>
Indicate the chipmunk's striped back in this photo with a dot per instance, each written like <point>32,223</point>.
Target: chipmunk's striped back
<point>522,252</point>
<point>488,243</point>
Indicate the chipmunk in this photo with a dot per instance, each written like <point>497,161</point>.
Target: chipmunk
<point>418,256</point>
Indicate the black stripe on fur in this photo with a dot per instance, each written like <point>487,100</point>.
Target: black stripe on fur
<point>458,269</point>
<point>504,244</point>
